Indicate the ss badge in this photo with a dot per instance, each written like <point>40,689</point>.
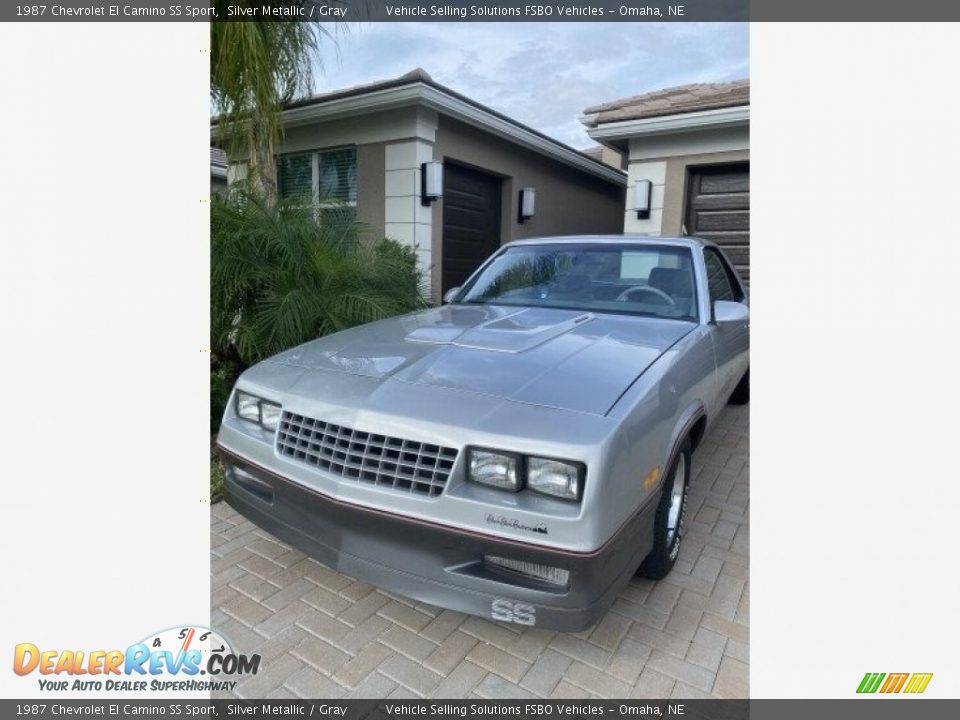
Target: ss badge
<point>513,611</point>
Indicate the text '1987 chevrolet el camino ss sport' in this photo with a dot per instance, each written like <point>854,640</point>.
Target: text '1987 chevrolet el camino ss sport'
<point>517,453</point>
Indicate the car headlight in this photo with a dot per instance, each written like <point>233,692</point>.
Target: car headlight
<point>497,469</point>
<point>269,415</point>
<point>248,407</point>
<point>555,477</point>
<point>254,409</point>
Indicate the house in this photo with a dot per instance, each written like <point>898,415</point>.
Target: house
<point>218,170</point>
<point>691,144</point>
<point>606,154</point>
<point>366,147</point>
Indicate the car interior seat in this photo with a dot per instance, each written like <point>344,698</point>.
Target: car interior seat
<point>675,282</point>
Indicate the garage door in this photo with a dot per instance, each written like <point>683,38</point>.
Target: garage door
<point>471,221</point>
<point>718,208</point>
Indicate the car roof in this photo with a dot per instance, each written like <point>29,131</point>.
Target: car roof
<point>685,241</point>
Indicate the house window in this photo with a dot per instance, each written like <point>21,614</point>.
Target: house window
<point>295,176</point>
<point>326,178</point>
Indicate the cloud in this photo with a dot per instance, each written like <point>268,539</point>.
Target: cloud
<point>542,74</point>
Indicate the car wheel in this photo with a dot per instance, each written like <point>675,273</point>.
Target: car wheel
<point>668,523</point>
<point>741,393</point>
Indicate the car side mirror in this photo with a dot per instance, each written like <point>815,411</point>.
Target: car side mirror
<point>450,294</point>
<point>725,311</point>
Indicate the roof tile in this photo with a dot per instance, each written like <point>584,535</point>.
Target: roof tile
<point>671,101</point>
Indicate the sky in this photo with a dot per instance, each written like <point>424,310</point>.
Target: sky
<point>542,74</point>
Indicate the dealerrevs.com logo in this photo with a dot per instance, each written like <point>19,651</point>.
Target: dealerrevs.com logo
<point>180,659</point>
<point>890,683</point>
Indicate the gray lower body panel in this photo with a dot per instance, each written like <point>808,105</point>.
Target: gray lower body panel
<point>436,564</point>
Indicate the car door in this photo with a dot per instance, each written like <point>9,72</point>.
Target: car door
<point>731,340</point>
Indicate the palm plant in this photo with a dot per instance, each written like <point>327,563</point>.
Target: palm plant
<point>282,274</point>
<point>255,68</point>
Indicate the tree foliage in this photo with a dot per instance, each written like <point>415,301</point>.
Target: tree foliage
<point>256,68</point>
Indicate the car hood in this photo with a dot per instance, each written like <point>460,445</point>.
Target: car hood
<point>565,359</point>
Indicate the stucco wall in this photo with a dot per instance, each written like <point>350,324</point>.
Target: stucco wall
<point>372,135</point>
<point>569,201</point>
<point>407,219</point>
<point>370,169</point>
<point>392,144</point>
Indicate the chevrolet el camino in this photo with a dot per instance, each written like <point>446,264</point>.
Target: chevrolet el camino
<point>517,453</point>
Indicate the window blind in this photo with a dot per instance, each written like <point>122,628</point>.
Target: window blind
<point>295,175</point>
<point>336,176</point>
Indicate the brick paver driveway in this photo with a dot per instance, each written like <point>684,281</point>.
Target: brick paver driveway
<point>322,634</point>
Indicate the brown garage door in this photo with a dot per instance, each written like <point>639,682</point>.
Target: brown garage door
<point>718,208</point>
<point>471,221</point>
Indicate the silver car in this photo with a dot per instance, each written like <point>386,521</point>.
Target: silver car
<point>517,453</point>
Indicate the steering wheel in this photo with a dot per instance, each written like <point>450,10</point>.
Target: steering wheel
<point>625,295</point>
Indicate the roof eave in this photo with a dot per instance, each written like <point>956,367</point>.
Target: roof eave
<point>429,95</point>
<point>618,133</point>
<point>503,127</point>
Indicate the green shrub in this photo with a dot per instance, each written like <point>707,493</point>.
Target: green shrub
<point>217,477</point>
<point>283,274</point>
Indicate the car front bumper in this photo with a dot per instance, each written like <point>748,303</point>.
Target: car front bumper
<point>437,564</point>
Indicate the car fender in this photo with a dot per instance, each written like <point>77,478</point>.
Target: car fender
<point>685,423</point>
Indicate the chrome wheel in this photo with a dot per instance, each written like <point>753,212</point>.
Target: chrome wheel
<point>674,514</point>
<point>668,521</point>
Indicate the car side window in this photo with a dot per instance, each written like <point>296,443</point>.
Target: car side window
<point>720,280</point>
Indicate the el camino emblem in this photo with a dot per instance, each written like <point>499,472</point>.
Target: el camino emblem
<point>515,524</point>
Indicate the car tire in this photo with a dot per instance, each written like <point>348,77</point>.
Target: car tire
<point>741,393</point>
<point>669,521</point>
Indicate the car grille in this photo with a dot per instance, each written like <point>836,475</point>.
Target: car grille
<point>366,457</point>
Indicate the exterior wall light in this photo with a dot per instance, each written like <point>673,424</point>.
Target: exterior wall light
<point>527,205</point>
<point>431,181</point>
<point>641,198</point>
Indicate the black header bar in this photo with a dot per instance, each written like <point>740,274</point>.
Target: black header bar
<point>480,10</point>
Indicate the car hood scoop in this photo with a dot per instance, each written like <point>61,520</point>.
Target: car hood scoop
<point>516,332</point>
<point>566,359</point>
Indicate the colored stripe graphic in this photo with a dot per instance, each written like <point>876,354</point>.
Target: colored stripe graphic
<point>870,682</point>
<point>894,682</point>
<point>918,682</point>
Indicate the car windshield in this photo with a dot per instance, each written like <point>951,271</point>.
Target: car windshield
<point>653,280</point>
